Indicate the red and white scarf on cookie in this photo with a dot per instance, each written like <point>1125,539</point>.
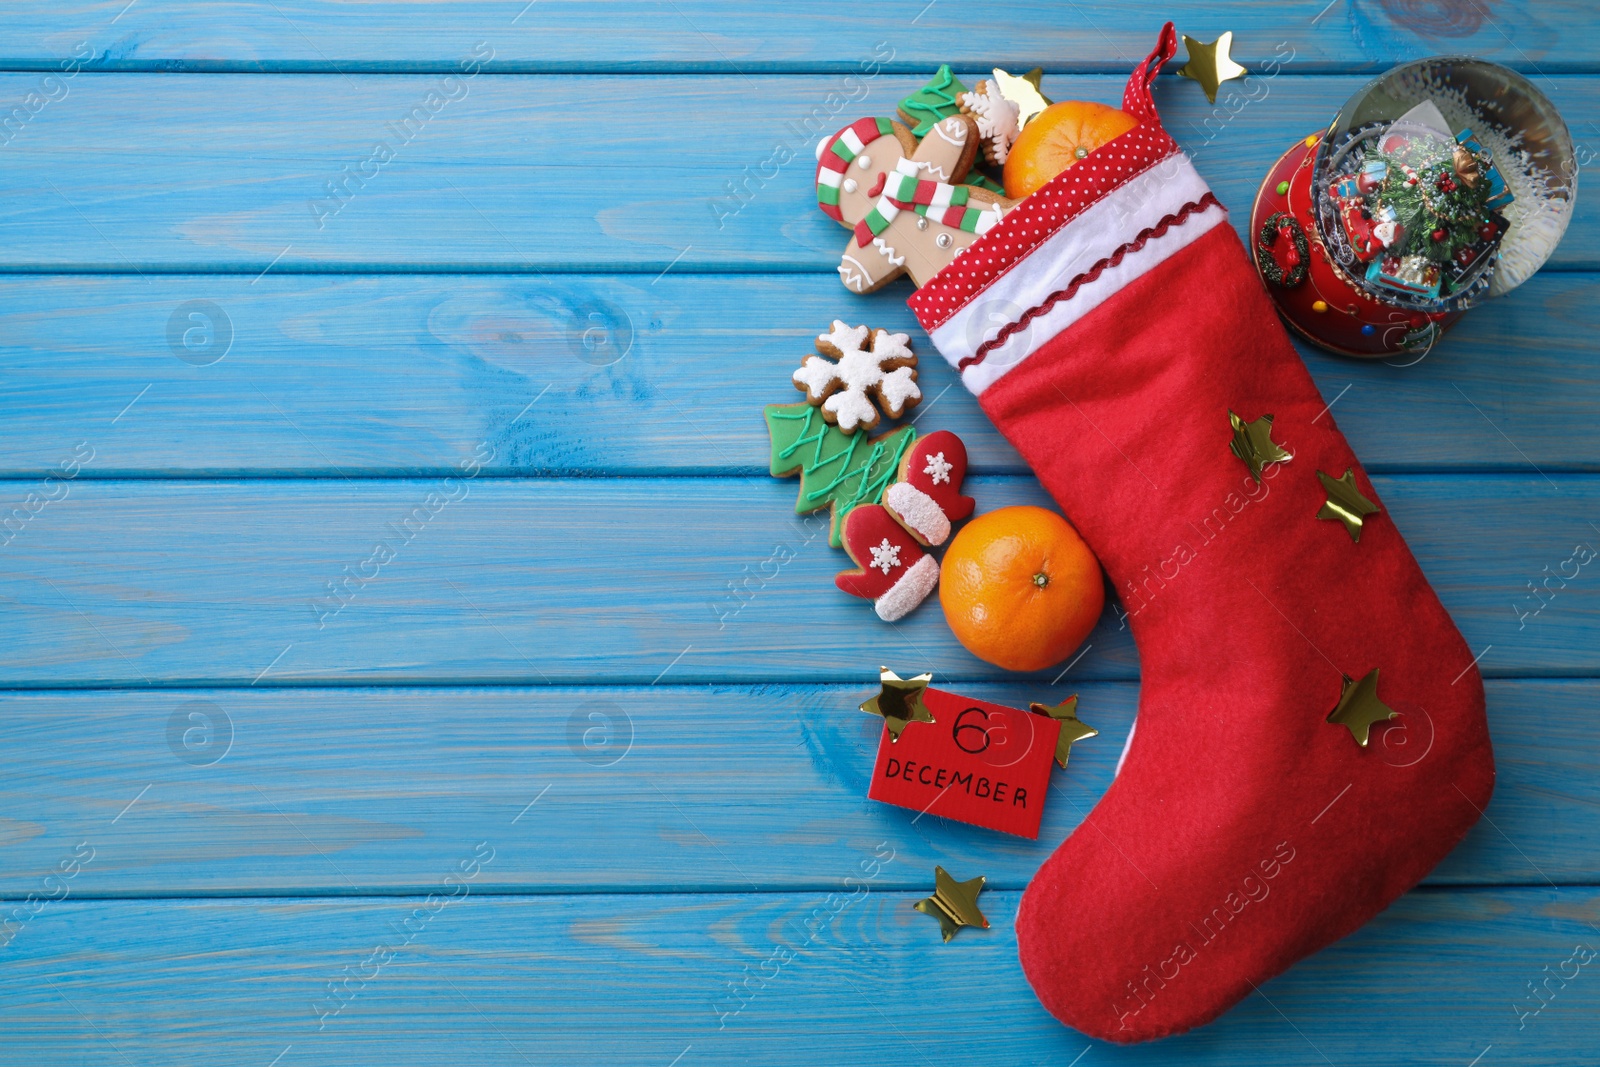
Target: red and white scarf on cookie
<point>941,201</point>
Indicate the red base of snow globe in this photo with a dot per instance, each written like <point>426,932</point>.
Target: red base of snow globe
<point>1325,306</point>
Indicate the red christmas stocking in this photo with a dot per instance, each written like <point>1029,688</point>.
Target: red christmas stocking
<point>1109,326</point>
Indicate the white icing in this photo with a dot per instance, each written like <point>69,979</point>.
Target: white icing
<point>918,512</point>
<point>849,185</point>
<point>954,130</point>
<point>822,146</point>
<point>853,274</point>
<point>938,468</point>
<point>899,385</point>
<point>912,589</point>
<point>888,251</point>
<point>885,556</point>
<point>996,117</point>
<point>863,161</point>
<point>844,338</point>
<point>911,166</point>
<point>858,374</point>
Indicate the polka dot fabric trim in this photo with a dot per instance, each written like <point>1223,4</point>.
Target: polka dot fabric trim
<point>1136,98</point>
<point>1037,218</point>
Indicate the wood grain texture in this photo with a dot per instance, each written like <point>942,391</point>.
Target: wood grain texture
<point>358,376</point>
<point>252,792</point>
<point>498,980</point>
<point>616,660</point>
<point>146,172</point>
<point>620,581</point>
<point>716,35</point>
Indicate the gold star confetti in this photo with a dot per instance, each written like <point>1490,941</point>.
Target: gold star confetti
<point>899,701</point>
<point>1359,707</point>
<point>1253,443</point>
<point>1210,64</point>
<point>1073,729</point>
<point>1024,92</point>
<point>954,904</point>
<point>1346,503</point>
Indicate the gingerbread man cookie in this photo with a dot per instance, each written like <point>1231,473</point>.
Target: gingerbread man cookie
<point>902,198</point>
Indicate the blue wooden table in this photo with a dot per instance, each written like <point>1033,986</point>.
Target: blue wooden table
<point>572,774</point>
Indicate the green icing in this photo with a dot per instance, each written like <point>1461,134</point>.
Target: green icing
<point>934,101</point>
<point>983,181</point>
<point>840,469</point>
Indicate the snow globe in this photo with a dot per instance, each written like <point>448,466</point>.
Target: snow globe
<point>1440,184</point>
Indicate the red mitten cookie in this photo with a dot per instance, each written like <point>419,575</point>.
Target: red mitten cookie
<point>927,498</point>
<point>892,570</point>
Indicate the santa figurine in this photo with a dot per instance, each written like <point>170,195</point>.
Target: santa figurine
<point>1369,230</point>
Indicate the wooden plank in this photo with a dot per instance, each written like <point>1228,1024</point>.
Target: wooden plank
<point>1433,981</point>
<point>672,788</point>
<point>619,581</point>
<point>697,35</point>
<point>360,376</point>
<point>148,172</point>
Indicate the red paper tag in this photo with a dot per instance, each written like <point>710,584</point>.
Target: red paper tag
<point>977,762</point>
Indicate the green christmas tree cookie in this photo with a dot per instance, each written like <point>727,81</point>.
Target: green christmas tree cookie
<point>934,101</point>
<point>979,180</point>
<point>837,469</point>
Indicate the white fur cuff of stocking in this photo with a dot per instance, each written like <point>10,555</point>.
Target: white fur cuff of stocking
<point>918,511</point>
<point>912,589</point>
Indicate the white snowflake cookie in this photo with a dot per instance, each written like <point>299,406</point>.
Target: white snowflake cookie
<point>869,376</point>
<point>998,119</point>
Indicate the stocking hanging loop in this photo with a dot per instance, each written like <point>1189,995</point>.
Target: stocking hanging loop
<point>1136,99</point>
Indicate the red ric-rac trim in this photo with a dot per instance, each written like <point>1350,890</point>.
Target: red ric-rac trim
<point>1037,218</point>
<point>1177,218</point>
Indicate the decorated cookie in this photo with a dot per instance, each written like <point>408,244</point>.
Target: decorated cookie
<point>870,375</point>
<point>979,180</point>
<point>837,470</point>
<point>937,100</point>
<point>927,499</point>
<point>998,119</point>
<point>903,199</point>
<point>892,570</point>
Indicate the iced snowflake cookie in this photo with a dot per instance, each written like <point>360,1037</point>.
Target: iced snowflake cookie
<point>998,119</point>
<point>927,499</point>
<point>892,570</point>
<point>903,199</point>
<point>880,373</point>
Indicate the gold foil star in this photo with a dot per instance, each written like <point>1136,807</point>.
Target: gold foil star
<point>1359,707</point>
<point>1346,503</point>
<point>954,904</point>
<point>1024,92</point>
<point>899,701</point>
<point>1073,729</point>
<point>1210,64</point>
<point>1253,443</point>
